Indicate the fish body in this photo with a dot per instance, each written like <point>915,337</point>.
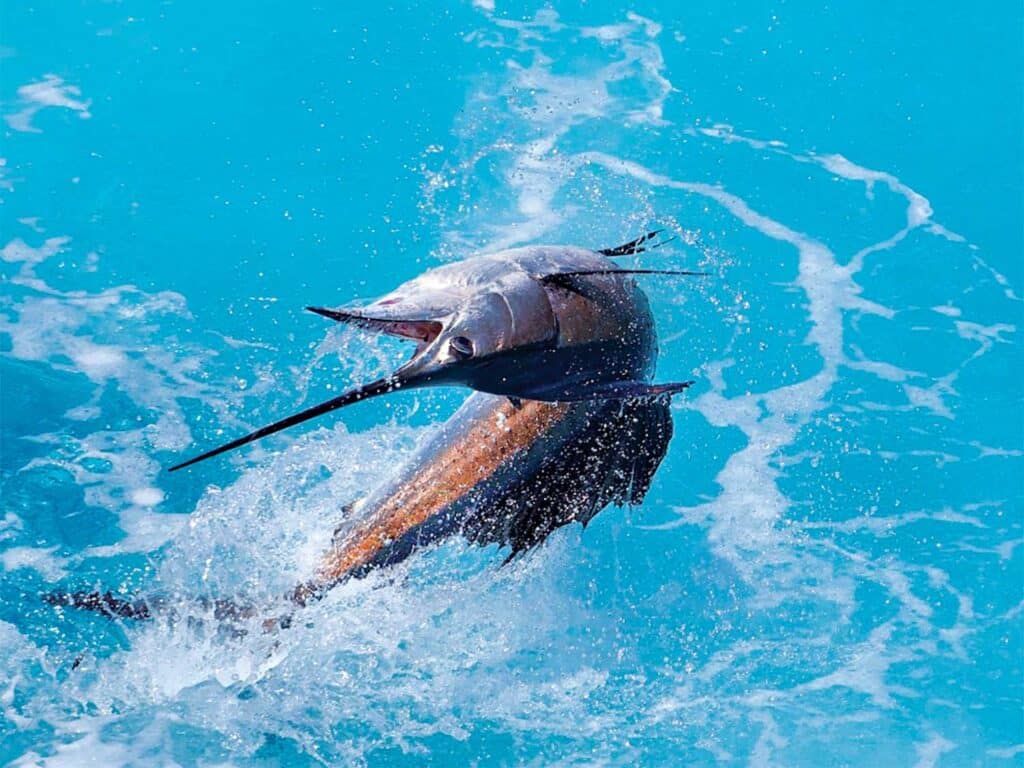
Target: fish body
<point>505,472</point>
<point>506,475</point>
<point>559,345</point>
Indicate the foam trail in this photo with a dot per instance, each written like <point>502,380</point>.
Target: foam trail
<point>50,92</point>
<point>761,617</point>
<point>746,521</point>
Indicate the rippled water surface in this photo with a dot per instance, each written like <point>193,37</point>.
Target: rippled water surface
<point>828,569</point>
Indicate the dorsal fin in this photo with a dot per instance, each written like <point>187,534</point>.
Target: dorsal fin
<point>639,245</point>
<point>570,281</point>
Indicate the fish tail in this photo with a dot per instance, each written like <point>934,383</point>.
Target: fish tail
<point>104,603</point>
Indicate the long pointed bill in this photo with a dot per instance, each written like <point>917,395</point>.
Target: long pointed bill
<point>415,373</point>
<point>374,388</point>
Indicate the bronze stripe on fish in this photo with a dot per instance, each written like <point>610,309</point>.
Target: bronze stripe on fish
<point>491,437</point>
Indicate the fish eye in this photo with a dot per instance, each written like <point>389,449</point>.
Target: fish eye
<point>460,346</point>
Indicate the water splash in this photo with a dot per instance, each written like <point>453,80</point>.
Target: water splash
<point>802,597</point>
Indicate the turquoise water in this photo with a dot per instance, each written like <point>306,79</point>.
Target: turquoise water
<point>828,569</point>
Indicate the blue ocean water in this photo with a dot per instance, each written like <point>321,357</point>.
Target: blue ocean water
<point>828,569</point>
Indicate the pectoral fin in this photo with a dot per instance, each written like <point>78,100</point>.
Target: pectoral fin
<point>612,390</point>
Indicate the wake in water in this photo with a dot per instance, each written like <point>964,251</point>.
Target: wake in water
<point>795,578</point>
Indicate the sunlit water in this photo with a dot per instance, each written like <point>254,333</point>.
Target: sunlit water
<point>828,568</point>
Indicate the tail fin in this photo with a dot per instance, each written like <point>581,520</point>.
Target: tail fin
<point>105,603</point>
<point>138,609</point>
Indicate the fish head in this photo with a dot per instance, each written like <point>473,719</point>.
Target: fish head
<point>503,325</point>
<point>466,333</point>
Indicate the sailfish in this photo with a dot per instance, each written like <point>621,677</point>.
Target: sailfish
<point>559,347</point>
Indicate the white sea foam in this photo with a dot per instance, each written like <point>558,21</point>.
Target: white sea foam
<point>1006,753</point>
<point>101,335</point>
<point>544,107</point>
<point>425,650</point>
<point>6,183</point>
<point>397,651</point>
<point>41,559</point>
<point>17,251</point>
<point>50,92</point>
<point>931,751</point>
<point>746,521</point>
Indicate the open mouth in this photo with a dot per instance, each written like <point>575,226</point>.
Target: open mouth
<point>423,332</point>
